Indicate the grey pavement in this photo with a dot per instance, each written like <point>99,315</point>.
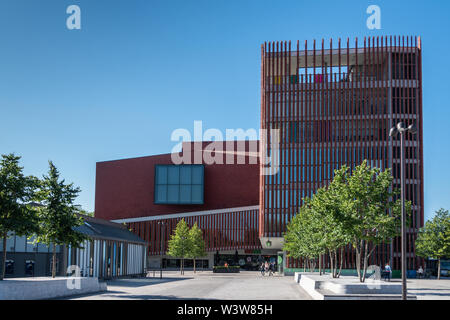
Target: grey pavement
<point>430,289</point>
<point>203,285</point>
<point>245,285</point>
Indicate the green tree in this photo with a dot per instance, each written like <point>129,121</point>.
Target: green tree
<point>368,213</point>
<point>179,243</point>
<point>433,240</point>
<point>58,216</point>
<point>325,207</point>
<point>16,191</point>
<point>302,238</point>
<point>197,244</point>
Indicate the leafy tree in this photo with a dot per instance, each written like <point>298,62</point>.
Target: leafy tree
<point>367,211</point>
<point>197,244</point>
<point>325,208</point>
<point>355,208</point>
<point>58,216</point>
<point>302,239</point>
<point>433,240</point>
<point>16,191</point>
<point>180,243</point>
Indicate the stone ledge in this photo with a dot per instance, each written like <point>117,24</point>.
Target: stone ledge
<point>326,288</point>
<point>40,288</point>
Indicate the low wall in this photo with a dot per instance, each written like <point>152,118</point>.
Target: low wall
<point>48,288</point>
<point>347,287</point>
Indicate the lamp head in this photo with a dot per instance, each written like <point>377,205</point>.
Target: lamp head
<point>412,128</point>
<point>401,127</point>
<point>393,132</point>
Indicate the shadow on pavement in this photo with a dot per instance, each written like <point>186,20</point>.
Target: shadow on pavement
<point>141,282</point>
<point>150,297</point>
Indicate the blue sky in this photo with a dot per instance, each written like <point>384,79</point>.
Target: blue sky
<point>137,70</point>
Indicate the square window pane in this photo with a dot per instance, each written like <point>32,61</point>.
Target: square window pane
<point>185,174</point>
<point>185,194</point>
<point>197,194</point>
<point>161,193</point>
<point>21,244</point>
<point>197,175</point>
<point>161,175</point>
<point>174,175</point>
<point>173,193</point>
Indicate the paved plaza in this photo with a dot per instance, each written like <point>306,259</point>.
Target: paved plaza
<point>204,285</point>
<point>245,285</point>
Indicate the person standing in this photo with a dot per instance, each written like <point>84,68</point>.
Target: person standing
<point>387,272</point>
<point>420,272</point>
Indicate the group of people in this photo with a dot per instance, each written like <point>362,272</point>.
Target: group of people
<point>387,272</point>
<point>267,267</point>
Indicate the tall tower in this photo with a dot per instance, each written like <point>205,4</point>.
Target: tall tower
<point>334,105</point>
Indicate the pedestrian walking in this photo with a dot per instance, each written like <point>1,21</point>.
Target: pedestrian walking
<point>271,269</point>
<point>262,268</point>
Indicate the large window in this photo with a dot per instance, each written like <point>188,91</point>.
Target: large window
<point>179,184</point>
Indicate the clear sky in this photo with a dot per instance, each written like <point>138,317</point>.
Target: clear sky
<point>137,70</point>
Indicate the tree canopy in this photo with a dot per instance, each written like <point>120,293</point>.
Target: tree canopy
<point>58,215</point>
<point>356,208</point>
<point>433,239</point>
<point>197,244</point>
<point>180,243</point>
<point>17,213</point>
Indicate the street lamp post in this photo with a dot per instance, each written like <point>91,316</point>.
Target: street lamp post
<point>162,239</point>
<point>400,128</point>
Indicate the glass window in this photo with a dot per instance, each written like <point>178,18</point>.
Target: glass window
<point>179,184</point>
<point>197,175</point>
<point>161,193</point>
<point>185,175</point>
<point>197,194</point>
<point>173,193</point>
<point>173,175</point>
<point>185,193</point>
<point>21,244</point>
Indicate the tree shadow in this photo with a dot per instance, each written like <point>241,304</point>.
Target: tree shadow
<point>135,283</point>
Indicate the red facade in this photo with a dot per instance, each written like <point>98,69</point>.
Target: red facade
<point>125,192</point>
<point>125,188</point>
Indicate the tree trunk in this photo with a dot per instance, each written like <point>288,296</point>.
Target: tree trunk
<point>2,275</point>
<point>341,262</point>
<point>181,266</point>
<point>439,269</point>
<point>365,262</point>
<point>358,261</point>
<point>194,265</point>
<point>54,261</point>
<point>335,263</point>
<point>320,265</point>
<point>313,265</point>
<point>331,263</point>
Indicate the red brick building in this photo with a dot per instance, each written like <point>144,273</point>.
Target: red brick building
<point>332,105</point>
